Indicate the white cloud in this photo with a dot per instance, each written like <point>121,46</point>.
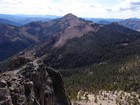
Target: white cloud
<point>124,5</point>
<point>82,8</point>
<point>125,9</point>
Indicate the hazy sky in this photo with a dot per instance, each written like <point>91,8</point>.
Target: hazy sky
<point>82,8</point>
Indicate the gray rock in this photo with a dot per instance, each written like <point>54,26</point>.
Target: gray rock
<point>3,83</point>
<point>33,85</point>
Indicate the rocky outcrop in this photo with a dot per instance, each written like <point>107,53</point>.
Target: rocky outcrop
<point>18,62</point>
<point>34,84</point>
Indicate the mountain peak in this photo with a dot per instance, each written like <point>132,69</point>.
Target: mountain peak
<point>70,16</point>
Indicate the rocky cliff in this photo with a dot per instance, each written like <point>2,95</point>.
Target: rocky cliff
<point>33,84</point>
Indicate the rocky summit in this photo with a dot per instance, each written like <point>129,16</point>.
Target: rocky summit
<point>33,84</point>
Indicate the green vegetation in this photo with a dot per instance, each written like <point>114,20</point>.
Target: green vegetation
<point>9,48</point>
<point>107,59</point>
<point>123,75</point>
<point>92,48</point>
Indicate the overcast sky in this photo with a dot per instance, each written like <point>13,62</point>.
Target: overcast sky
<point>81,8</point>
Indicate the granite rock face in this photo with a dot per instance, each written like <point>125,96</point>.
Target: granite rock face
<point>33,84</point>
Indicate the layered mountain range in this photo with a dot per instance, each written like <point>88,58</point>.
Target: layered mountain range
<point>89,55</point>
<point>41,31</point>
<point>73,42</point>
<point>62,40</point>
<point>19,20</point>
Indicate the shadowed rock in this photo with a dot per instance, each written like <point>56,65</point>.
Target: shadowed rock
<point>34,84</point>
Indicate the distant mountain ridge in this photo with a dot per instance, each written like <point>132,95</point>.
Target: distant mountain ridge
<point>104,22</point>
<point>5,21</point>
<point>132,23</point>
<point>97,20</point>
<point>25,19</point>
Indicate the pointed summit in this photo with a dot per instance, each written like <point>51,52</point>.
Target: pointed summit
<point>70,16</point>
<point>70,20</point>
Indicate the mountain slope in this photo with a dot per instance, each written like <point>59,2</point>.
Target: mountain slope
<point>103,46</point>
<point>61,29</point>
<point>131,23</point>
<point>123,29</point>
<point>90,56</point>
<point>13,40</point>
<point>74,42</point>
<point>57,31</point>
